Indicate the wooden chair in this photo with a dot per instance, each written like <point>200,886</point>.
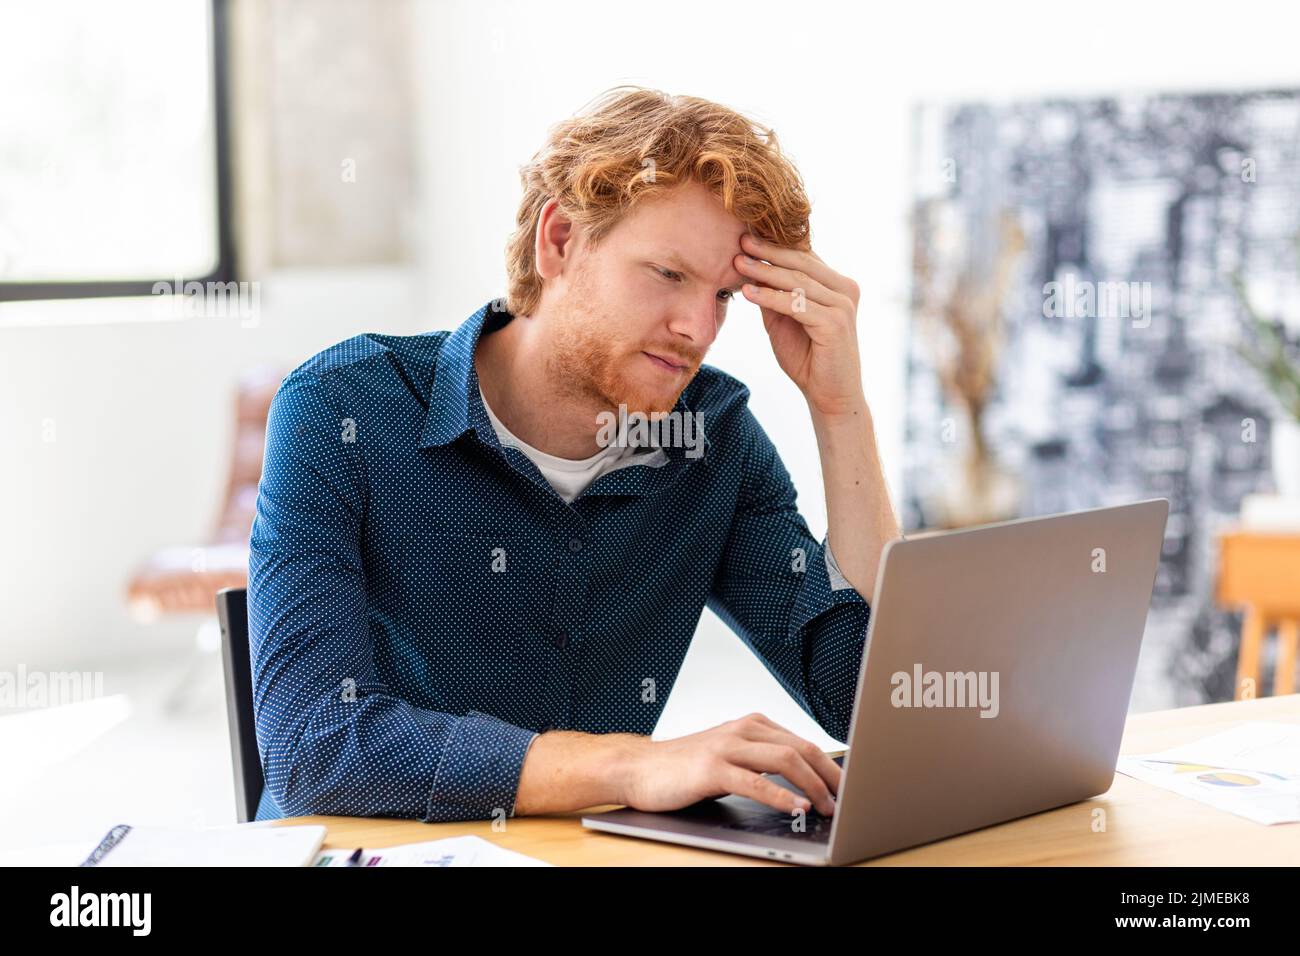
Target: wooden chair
<point>1259,571</point>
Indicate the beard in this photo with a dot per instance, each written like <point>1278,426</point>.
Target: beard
<point>587,361</point>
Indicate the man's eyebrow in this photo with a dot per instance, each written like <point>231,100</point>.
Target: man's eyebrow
<point>678,263</point>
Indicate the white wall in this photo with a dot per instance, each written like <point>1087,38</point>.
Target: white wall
<point>142,418</point>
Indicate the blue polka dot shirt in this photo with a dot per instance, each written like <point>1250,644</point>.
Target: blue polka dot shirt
<point>422,603</point>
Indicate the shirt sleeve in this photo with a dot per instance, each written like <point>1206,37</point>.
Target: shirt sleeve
<point>774,587</point>
<point>333,738</point>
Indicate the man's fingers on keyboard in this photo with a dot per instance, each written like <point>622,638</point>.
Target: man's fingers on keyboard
<point>785,760</point>
<point>813,755</point>
<point>746,783</point>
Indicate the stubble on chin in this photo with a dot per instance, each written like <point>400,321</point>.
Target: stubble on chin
<point>584,365</point>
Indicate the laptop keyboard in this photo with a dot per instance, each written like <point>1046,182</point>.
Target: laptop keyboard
<point>771,822</point>
<point>815,826</point>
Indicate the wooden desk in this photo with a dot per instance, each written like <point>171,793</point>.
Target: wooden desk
<point>1146,826</point>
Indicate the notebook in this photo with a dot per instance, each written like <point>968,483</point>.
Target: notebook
<point>239,845</point>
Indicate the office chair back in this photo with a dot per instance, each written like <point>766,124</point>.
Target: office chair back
<point>232,610</point>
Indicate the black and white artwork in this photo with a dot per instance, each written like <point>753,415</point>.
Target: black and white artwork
<point>1082,270</point>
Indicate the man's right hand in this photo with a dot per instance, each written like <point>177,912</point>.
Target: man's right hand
<point>732,758</point>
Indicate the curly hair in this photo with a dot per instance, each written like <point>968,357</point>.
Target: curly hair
<point>633,143</point>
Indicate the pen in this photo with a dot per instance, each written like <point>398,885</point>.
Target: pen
<point>355,858</point>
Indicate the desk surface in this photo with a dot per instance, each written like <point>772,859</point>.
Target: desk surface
<point>1146,826</point>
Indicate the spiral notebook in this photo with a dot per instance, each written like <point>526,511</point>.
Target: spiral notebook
<point>239,845</point>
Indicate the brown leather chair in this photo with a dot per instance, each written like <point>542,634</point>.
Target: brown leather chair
<point>186,578</point>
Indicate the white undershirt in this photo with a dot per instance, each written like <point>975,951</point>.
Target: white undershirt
<point>570,476</point>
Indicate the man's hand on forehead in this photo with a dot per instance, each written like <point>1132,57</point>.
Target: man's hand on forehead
<point>810,314</point>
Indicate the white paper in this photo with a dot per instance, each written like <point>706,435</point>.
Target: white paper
<point>451,851</point>
<point>1251,770</point>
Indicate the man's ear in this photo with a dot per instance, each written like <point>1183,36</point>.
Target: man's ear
<point>553,243</point>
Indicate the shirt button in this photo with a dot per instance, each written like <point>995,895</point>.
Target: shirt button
<point>575,545</point>
<point>561,639</point>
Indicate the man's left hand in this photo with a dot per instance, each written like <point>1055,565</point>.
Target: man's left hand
<point>810,312</point>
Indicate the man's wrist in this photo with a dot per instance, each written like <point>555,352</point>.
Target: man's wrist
<point>850,414</point>
<point>626,762</point>
<point>566,770</point>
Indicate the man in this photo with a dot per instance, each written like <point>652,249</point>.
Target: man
<point>472,585</point>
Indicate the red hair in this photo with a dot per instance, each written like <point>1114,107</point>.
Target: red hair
<point>632,143</point>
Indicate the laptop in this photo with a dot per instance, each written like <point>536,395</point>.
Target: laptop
<point>995,684</point>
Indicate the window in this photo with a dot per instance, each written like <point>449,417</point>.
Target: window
<point>113,171</point>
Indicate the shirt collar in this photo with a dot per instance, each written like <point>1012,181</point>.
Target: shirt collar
<point>455,403</point>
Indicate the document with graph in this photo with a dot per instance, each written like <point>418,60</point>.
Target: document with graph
<point>1252,770</point>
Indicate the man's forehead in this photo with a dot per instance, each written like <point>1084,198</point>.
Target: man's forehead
<point>675,259</point>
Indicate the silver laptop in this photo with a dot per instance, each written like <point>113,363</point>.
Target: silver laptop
<point>996,681</point>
